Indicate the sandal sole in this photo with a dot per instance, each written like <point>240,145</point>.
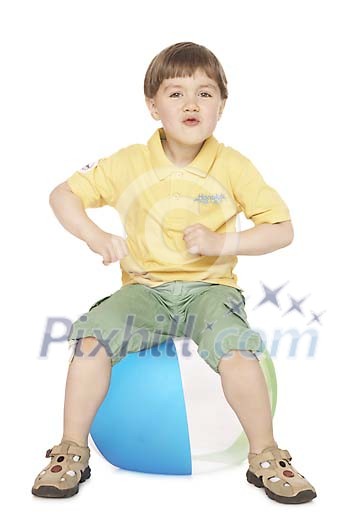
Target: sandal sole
<point>48,491</point>
<point>302,497</point>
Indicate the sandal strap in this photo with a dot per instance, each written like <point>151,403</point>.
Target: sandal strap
<point>68,448</point>
<point>270,453</point>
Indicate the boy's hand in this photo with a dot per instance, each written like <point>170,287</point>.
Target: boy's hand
<point>111,247</point>
<point>202,241</point>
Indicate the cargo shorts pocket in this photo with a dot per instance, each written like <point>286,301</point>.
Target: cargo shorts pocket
<point>229,329</point>
<point>99,302</point>
<point>235,302</point>
<point>72,340</point>
<point>248,339</point>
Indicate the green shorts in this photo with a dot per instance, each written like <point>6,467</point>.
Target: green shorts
<point>138,317</point>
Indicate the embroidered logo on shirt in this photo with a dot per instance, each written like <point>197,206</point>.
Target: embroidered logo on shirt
<point>206,199</point>
<point>88,167</point>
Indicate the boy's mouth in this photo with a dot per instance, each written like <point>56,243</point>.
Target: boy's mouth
<point>191,121</point>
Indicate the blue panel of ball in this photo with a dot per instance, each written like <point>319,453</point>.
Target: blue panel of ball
<point>142,424</point>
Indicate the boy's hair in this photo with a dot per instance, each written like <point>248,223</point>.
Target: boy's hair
<point>182,60</point>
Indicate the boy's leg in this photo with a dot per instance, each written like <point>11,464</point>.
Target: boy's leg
<point>239,371</point>
<point>269,466</point>
<point>220,323</point>
<point>87,384</point>
<point>127,321</point>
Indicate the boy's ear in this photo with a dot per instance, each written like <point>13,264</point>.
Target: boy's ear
<point>152,107</point>
<point>221,109</point>
<point>149,102</point>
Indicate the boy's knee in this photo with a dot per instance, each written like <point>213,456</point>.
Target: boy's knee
<point>89,346</point>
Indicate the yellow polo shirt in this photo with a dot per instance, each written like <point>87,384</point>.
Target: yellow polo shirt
<point>157,200</point>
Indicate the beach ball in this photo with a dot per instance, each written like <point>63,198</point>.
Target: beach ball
<point>165,413</point>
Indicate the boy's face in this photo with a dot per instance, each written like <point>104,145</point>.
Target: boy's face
<point>178,99</point>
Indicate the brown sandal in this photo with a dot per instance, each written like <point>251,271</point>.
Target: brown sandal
<point>272,470</point>
<point>67,469</point>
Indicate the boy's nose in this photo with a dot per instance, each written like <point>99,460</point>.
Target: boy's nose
<point>191,105</point>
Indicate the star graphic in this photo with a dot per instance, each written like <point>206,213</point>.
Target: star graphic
<point>296,305</point>
<point>235,307</point>
<point>209,326</point>
<point>316,317</point>
<point>270,295</point>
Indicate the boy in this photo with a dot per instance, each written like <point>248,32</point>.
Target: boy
<point>178,197</point>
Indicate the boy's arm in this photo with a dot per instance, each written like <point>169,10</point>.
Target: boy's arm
<point>260,203</point>
<point>69,210</point>
<point>261,239</point>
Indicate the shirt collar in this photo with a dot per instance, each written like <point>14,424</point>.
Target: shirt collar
<point>199,166</point>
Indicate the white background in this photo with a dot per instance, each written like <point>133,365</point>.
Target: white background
<point>72,91</point>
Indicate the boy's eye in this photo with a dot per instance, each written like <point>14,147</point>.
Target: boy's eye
<point>202,92</point>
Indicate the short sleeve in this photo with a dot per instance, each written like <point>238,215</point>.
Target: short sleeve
<point>94,184</point>
<point>260,202</point>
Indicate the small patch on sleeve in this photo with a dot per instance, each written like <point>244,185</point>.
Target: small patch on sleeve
<point>88,167</point>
